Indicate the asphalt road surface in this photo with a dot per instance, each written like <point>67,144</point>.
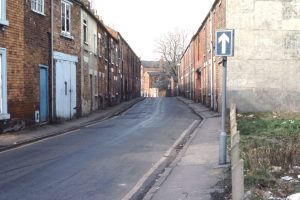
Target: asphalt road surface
<point>99,162</point>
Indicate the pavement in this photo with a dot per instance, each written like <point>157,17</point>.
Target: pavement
<point>32,134</point>
<point>195,174</point>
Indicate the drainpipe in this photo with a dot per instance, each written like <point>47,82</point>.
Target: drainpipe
<point>211,65</point>
<point>122,63</point>
<point>108,70</point>
<point>52,65</point>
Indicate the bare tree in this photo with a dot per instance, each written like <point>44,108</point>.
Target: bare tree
<point>171,46</point>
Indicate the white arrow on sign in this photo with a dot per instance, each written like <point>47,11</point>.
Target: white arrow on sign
<point>224,39</point>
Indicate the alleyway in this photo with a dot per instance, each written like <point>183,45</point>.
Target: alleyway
<point>100,161</point>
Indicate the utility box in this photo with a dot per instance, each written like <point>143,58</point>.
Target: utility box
<point>37,116</point>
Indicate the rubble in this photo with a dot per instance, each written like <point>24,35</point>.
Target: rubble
<point>294,197</point>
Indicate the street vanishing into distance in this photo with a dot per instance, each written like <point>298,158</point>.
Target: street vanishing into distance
<point>101,161</point>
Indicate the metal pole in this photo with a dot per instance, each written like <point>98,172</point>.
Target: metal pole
<point>223,135</point>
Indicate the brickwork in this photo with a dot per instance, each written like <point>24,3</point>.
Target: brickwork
<point>266,46</point>
<point>264,72</point>
<point>89,67</point>
<point>37,51</point>
<point>12,38</point>
<point>204,86</point>
<point>102,67</point>
<point>71,46</point>
<point>110,75</point>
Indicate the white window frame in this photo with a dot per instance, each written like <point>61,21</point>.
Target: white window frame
<point>112,48</point>
<point>117,56</point>
<point>3,85</point>
<point>65,32</point>
<point>85,31</point>
<point>38,6</point>
<point>95,44</point>
<point>99,44</point>
<point>3,20</point>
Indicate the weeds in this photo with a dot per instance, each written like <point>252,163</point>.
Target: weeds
<point>270,141</point>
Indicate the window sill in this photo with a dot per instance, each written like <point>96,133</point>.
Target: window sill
<point>40,13</point>
<point>4,116</point>
<point>4,22</point>
<point>66,35</point>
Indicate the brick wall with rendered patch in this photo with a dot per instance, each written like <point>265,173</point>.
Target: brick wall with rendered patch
<point>264,73</point>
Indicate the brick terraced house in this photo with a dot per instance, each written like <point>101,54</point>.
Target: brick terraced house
<point>54,62</point>
<point>264,73</point>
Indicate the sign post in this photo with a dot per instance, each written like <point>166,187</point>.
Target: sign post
<point>224,47</point>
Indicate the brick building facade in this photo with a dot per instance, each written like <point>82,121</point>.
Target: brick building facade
<point>266,45</point>
<point>12,45</point>
<point>155,82</point>
<point>50,69</point>
<point>200,69</point>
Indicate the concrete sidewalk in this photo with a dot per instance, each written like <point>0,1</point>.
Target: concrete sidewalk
<point>29,135</point>
<point>195,174</point>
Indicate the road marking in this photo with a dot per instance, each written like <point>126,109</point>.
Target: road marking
<point>151,171</point>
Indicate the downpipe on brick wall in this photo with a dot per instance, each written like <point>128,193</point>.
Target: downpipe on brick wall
<point>52,65</point>
<point>211,65</point>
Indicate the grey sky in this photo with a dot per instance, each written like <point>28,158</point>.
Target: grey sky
<point>142,22</point>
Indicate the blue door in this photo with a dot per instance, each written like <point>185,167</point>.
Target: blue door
<point>43,94</point>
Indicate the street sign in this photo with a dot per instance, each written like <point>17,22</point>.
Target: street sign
<point>224,48</point>
<point>224,42</point>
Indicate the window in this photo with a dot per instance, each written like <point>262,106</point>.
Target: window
<point>37,6</point>
<point>66,18</point>
<point>106,46</point>
<point>112,48</point>
<point>85,35</point>
<point>117,56</point>
<point>198,46</point>
<point>3,20</point>
<point>99,45</point>
<point>3,86</point>
<point>95,44</point>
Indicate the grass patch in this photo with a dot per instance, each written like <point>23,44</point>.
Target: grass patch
<point>268,141</point>
<point>269,124</point>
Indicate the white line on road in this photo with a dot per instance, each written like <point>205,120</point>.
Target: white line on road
<point>151,171</point>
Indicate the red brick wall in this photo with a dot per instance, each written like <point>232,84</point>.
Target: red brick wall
<point>202,56</point>
<point>27,40</point>
<point>37,47</point>
<point>12,38</point>
<point>102,82</point>
<point>69,46</point>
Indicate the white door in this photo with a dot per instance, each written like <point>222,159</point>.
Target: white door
<point>65,89</point>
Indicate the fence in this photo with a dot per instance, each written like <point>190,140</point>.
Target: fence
<point>237,164</point>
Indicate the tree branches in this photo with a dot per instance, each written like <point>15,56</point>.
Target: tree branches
<point>171,46</point>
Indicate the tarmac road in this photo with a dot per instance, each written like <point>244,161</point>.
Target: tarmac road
<point>102,161</point>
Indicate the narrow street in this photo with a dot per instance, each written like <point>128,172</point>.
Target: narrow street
<point>101,161</point>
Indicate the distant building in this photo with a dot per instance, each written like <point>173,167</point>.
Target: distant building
<point>155,81</point>
<point>264,73</point>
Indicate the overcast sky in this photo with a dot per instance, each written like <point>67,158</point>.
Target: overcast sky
<point>142,22</point>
